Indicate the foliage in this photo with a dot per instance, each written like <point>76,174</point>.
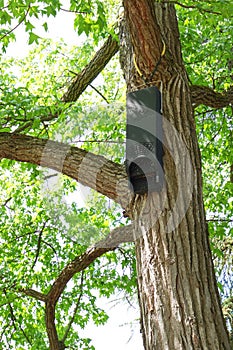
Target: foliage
<point>54,228</point>
<point>43,226</point>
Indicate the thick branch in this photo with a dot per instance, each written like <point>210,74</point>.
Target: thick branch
<point>117,236</point>
<point>34,294</point>
<point>83,79</point>
<point>80,263</point>
<point>207,96</point>
<point>94,171</point>
<point>91,71</point>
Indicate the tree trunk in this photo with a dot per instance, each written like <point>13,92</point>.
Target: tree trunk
<point>179,300</point>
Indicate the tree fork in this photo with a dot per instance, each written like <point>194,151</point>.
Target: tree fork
<point>178,296</point>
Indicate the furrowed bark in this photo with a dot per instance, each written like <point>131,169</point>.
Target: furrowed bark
<point>203,95</point>
<point>92,70</point>
<point>94,171</point>
<point>179,301</point>
<point>200,94</point>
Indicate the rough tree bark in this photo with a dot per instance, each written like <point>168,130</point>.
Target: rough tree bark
<point>89,169</point>
<point>178,296</point>
<point>179,301</point>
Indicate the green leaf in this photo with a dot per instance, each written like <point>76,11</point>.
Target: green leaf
<point>33,38</point>
<point>29,26</point>
<point>45,25</point>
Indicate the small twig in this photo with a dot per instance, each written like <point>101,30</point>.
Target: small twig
<point>3,332</point>
<point>76,12</point>
<point>20,22</point>
<point>4,7</point>
<point>220,220</point>
<point>5,203</point>
<point>13,319</point>
<point>38,245</point>
<point>193,7</point>
<point>100,141</point>
<point>98,92</point>
<point>75,310</point>
<point>29,123</point>
<point>205,112</point>
<point>47,177</point>
<point>53,249</point>
<point>21,236</point>
<point>129,302</point>
<point>214,136</point>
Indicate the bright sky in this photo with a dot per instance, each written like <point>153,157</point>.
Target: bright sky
<point>59,27</point>
<point>117,333</point>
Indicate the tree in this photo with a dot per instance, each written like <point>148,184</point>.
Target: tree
<point>178,296</point>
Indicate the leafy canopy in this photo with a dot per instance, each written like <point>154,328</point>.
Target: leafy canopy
<point>43,223</point>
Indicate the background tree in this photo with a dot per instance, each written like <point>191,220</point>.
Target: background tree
<point>177,290</point>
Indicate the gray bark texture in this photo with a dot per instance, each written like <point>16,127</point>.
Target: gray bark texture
<point>178,296</point>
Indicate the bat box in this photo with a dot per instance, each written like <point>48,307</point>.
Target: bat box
<point>144,136</point>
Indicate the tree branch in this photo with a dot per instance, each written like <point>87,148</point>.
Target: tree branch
<point>71,321</point>
<point>34,294</point>
<point>43,119</point>
<point>38,245</point>
<point>17,25</point>
<point>80,263</point>
<point>207,96</point>
<point>192,7</point>
<point>94,171</point>
<point>117,236</point>
<point>82,79</point>
<point>92,70</point>
<point>14,321</point>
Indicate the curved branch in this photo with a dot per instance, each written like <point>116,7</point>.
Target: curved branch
<point>207,96</point>
<point>117,236</point>
<point>81,262</point>
<point>92,70</point>
<point>94,171</point>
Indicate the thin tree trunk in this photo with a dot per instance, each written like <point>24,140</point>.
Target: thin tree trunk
<point>179,301</point>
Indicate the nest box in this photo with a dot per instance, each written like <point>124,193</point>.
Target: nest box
<point>144,151</point>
